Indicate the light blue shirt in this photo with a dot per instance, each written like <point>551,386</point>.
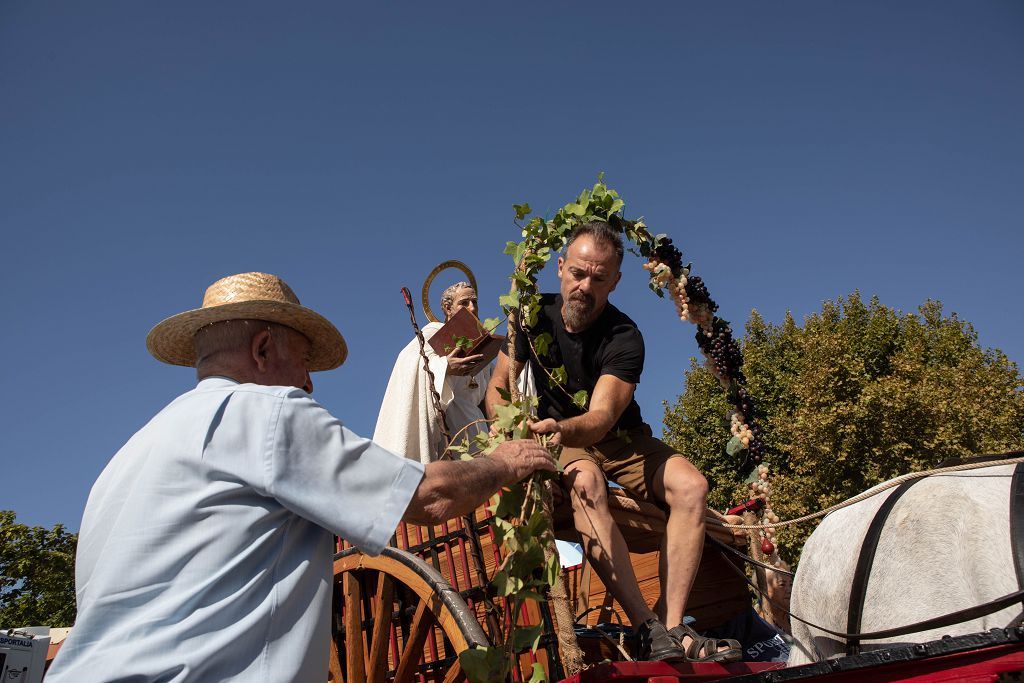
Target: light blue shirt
<point>206,544</point>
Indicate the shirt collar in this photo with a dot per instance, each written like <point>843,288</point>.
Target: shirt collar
<point>215,381</point>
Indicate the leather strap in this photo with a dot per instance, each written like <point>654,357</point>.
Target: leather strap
<point>957,617</point>
<point>1017,522</point>
<point>859,587</point>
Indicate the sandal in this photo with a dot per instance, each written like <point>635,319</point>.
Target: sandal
<point>699,647</point>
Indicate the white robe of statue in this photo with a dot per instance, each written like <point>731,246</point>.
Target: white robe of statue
<point>407,423</point>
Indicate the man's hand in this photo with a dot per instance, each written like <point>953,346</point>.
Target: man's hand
<point>548,426</point>
<point>522,457</point>
<point>462,365</point>
<point>453,488</point>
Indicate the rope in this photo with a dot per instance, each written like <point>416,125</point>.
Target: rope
<point>435,398</point>
<point>875,491</point>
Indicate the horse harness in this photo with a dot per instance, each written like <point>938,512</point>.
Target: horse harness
<point>859,586</point>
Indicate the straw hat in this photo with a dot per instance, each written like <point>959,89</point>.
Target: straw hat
<point>257,296</point>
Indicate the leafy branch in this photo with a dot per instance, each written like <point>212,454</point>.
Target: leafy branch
<point>522,521</point>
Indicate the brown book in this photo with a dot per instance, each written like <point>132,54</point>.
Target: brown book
<point>465,324</point>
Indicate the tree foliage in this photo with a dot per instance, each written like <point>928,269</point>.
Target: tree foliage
<point>859,394</point>
<point>37,574</point>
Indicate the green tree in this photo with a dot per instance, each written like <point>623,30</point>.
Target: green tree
<point>37,574</point>
<point>858,395</point>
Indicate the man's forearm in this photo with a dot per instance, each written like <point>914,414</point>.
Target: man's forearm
<point>586,429</point>
<point>452,489</point>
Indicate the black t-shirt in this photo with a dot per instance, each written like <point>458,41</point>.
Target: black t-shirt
<point>611,346</point>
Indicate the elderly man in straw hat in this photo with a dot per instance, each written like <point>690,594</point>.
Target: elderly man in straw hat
<point>205,547</point>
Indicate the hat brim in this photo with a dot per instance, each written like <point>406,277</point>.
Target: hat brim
<point>171,340</point>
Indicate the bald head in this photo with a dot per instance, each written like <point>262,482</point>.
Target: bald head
<point>253,351</point>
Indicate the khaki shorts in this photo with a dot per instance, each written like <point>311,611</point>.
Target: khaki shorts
<point>630,463</point>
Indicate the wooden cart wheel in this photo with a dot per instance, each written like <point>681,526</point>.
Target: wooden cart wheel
<point>408,620</point>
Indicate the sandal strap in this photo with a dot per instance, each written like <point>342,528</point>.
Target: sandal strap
<point>702,648</point>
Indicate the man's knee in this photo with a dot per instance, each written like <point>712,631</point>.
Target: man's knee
<point>587,485</point>
<point>685,487</point>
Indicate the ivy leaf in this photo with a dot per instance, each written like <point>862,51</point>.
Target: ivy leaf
<point>484,664</point>
<point>532,311</point>
<point>542,342</point>
<point>522,211</point>
<point>510,502</point>
<point>510,300</point>
<point>507,585</point>
<point>527,637</point>
<point>616,206</point>
<point>505,394</point>
<point>558,376</point>
<point>734,447</point>
<point>491,324</point>
<point>580,399</point>
<point>538,675</point>
<point>553,570</point>
<point>507,417</point>
<point>532,595</point>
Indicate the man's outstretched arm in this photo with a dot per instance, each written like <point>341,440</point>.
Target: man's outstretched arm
<point>610,399</point>
<point>454,488</point>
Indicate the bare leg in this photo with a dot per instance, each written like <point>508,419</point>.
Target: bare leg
<point>684,490</point>
<point>602,540</point>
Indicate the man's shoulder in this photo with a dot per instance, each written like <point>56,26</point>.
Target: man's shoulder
<point>617,321</point>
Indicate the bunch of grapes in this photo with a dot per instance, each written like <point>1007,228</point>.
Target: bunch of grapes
<point>693,303</point>
<point>697,291</point>
<point>760,488</point>
<point>723,351</point>
<point>669,255</point>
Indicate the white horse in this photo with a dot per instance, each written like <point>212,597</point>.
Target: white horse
<point>945,547</point>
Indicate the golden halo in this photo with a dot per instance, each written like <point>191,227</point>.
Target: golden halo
<point>445,265</point>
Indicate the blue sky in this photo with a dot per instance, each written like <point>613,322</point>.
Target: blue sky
<point>795,151</point>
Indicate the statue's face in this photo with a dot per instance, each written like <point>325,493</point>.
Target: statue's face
<point>465,297</point>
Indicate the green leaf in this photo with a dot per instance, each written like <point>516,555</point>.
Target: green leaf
<point>542,342</point>
<point>510,502</point>
<point>507,417</point>
<point>522,211</point>
<point>734,447</point>
<point>491,324</point>
<point>510,300</point>
<point>484,664</point>
<point>558,376</point>
<point>580,399</point>
<point>538,675</point>
<point>506,585</point>
<point>616,206</point>
<point>505,394</point>
<point>553,570</point>
<point>527,637</point>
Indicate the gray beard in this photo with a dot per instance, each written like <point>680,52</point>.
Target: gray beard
<point>577,313</point>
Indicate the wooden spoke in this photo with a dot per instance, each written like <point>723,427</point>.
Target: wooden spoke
<point>454,674</point>
<point>399,581</point>
<point>353,630</point>
<point>380,640</point>
<point>422,624</point>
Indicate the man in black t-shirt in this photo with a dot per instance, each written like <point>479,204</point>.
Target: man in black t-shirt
<point>603,354</point>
